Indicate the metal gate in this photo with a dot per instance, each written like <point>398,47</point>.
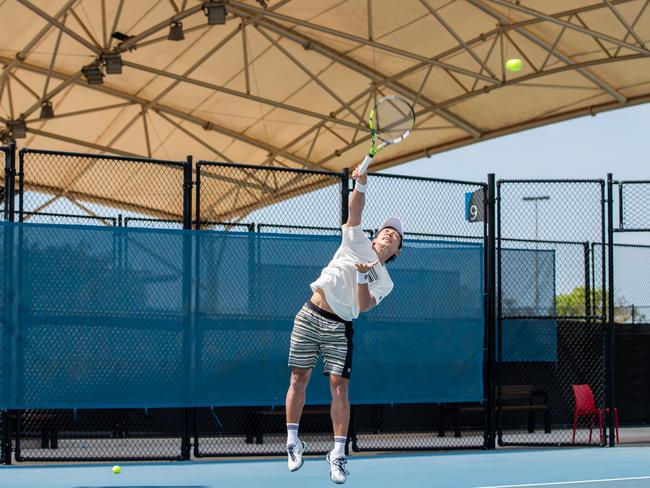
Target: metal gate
<point>552,333</point>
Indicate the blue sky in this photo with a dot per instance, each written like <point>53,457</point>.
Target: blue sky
<point>587,147</point>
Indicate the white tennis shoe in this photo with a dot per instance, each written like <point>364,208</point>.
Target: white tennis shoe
<point>294,454</point>
<point>338,473</point>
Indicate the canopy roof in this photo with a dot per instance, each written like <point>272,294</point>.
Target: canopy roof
<point>290,82</point>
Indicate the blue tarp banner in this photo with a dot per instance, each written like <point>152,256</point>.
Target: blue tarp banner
<point>528,289</point>
<point>112,317</point>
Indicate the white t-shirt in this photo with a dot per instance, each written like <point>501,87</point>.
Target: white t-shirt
<point>339,279</point>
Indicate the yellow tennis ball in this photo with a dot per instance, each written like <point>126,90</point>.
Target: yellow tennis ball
<point>117,469</point>
<point>514,65</point>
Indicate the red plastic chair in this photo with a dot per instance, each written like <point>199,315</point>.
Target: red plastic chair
<point>586,406</point>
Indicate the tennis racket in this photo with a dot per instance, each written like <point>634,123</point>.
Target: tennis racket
<point>391,121</point>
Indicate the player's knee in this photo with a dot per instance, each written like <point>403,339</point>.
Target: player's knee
<point>300,378</point>
<point>339,386</point>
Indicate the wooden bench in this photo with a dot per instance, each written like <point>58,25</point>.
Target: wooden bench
<point>511,398</point>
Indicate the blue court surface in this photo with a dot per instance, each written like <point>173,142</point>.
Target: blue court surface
<point>626,467</point>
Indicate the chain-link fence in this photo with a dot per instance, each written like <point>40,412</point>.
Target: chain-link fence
<point>100,434</point>
<point>628,303</point>
<point>151,223</point>
<point>551,337</point>
<point>314,203</point>
<point>91,293</point>
<point>631,295</point>
<point>86,189</point>
<point>633,314</point>
<point>632,319</point>
<point>233,193</point>
<point>5,438</point>
<point>438,230</point>
<point>266,200</point>
<point>633,205</point>
<point>284,225</point>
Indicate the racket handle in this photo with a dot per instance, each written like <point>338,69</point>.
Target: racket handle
<point>364,165</point>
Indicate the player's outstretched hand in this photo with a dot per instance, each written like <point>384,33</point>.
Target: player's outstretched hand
<point>365,267</point>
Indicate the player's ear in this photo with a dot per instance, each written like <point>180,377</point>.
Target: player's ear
<point>397,252</point>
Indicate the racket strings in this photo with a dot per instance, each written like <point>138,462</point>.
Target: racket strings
<point>393,118</point>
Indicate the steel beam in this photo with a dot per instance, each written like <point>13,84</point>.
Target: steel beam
<point>241,9</point>
<point>544,45</point>
<point>61,26</point>
<point>569,25</point>
<point>375,76</point>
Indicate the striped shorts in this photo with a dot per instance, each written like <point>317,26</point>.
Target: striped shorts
<point>316,332</point>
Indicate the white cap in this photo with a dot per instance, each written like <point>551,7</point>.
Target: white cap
<point>395,223</point>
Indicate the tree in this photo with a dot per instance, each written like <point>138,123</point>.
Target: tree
<point>573,304</point>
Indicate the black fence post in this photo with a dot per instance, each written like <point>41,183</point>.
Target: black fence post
<point>197,185</point>
<point>186,444</point>
<point>498,316</point>
<point>7,297</point>
<point>10,181</point>
<point>594,305</point>
<point>187,193</point>
<point>12,189</point>
<point>345,192</point>
<point>587,282</point>
<point>621,223</point>
<point>21,183</point>
<point>6,436</point>
<point>490,310</point>
<point>611,349</point>
<point>603,256</point>
<point>7,185</point>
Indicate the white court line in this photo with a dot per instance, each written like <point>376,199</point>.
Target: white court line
<point>557,483</point>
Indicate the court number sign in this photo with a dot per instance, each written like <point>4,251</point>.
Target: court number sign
<point>474,206</point>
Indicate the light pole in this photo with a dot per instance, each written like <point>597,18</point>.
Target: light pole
<point>536,200</point>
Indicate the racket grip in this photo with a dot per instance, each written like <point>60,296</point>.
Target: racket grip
<point>364,165</point>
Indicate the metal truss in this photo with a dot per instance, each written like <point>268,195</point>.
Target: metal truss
<point>345,120</point>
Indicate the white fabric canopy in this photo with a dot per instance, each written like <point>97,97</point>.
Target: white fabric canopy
<point>290,82</point>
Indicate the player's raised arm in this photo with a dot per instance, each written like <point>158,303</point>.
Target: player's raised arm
<point>358,199</point>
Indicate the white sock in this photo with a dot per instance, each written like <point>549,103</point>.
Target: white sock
<point>292,434</point>
<point>339,447</point>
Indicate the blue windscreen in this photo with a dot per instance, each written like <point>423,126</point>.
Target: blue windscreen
<point>113,317</point>
<point>529,327</point>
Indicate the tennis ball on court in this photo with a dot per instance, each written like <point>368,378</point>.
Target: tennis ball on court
<point>117,469</point>
<point>514,65</point>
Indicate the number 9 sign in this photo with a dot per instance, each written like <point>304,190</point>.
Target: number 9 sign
<point>474,202</point>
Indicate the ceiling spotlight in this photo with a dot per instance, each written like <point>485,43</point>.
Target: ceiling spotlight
<point>47,112</point>
<point>113,62</point>
<point>262,3</point>
<point>216,12</point>
<point>18,128</point>
<point>176,32</point>
<point>5,138</point>
<point>93,74</point>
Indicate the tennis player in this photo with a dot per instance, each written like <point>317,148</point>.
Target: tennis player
<point>354,281</point>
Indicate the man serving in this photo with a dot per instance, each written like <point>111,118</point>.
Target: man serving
<point>354,281</point>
